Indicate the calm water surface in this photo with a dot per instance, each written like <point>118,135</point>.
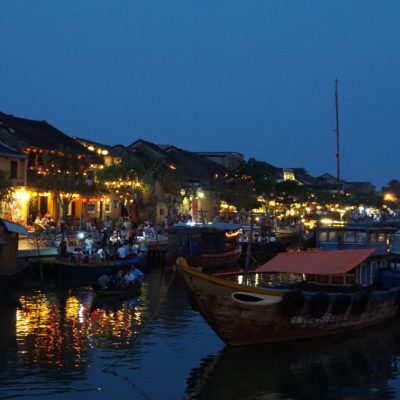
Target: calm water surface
<point>65,344</point>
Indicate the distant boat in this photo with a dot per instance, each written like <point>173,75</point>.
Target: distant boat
<point>261,249</point>
<point>296,296</point>
<point>394,242</point>
<point>355,236</point>
<point>210,246</point>
<point>288,230</point>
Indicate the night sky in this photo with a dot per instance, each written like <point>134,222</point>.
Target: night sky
<point>255,76</point>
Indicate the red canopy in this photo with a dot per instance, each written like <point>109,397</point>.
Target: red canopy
<point>321,262</point>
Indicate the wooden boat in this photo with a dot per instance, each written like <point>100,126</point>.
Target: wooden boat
<point>209,246</point>
<point>282,230</point>
<point>290,235</point>
<point>73,268</point>
<point>296,296</point>
<point>117,292</point>
<point>262,249</point>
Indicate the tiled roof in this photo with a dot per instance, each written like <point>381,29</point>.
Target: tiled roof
<point>9,151</point>
<point>39,134</point>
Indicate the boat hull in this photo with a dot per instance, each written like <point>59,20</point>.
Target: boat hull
<point>212,261</point>
<point>243,315</point>
<point>90,271</point>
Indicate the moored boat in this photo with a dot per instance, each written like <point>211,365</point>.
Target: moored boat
<point>75,268</point>
<point>210,246</point>
<point>117,292</point>
<point>261,248</point>
<point>297,296</point>
<point>355,236</point>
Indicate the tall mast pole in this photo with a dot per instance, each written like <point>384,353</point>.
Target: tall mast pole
<point>337,137</point>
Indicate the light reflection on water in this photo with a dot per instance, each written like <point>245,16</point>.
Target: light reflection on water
<point>66,344</point>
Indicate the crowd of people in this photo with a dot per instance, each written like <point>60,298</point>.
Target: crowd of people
<point>118,240</point>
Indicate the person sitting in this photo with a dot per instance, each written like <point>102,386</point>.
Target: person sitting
<point>122,252</point>
<point>104,281</point>
<point>134,277</point>
<point>133,249</point>
<point>119,280</point>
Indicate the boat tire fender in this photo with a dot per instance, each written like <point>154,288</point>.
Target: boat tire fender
<point>319,305</point>
<point>341,304</point>
<point>292,303</point>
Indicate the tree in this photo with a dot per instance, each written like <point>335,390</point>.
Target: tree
<point>236,189</point>
<point>290,191</point>
<point>262,175</point>
<point>171,180</point>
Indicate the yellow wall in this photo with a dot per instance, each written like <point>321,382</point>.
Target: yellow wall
<point>5,165</point>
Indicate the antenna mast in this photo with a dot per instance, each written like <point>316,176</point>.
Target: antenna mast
<point>337,137</point>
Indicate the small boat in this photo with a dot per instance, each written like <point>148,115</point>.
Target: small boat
<point>210,246</point>
<point>297,295</point>
<point>118,292</point>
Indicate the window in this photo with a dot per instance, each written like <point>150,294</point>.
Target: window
<point>328,236</point>
<point>14,170</point>
<point>349,237</point>
<point>332,236</point>
<point>161,211</point>
<point>337,280</point>
<point>322,279</point>
<point>361,237</point>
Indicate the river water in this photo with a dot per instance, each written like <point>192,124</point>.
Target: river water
<point>62,343</point>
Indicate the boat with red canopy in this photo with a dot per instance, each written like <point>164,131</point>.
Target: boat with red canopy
<point>297,296</point>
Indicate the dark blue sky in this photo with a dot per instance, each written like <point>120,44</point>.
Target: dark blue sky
<point>250,76</point>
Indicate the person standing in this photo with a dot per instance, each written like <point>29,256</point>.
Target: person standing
<point>89,227</point>
<point>89,245</point>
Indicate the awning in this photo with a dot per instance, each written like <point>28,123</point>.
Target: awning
<point>321,262</point>
<point>13,227</point>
